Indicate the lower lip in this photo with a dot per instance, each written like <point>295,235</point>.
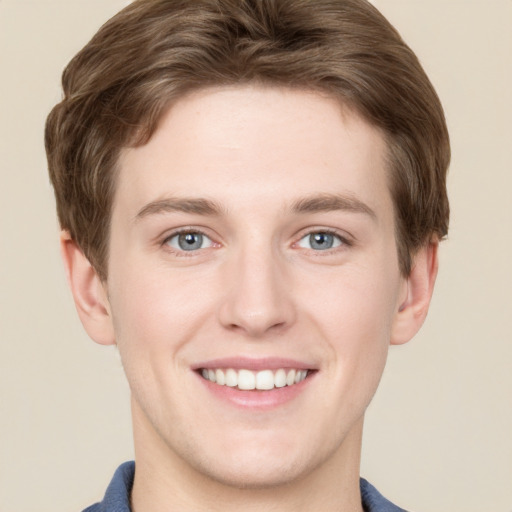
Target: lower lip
<point>256,399</point>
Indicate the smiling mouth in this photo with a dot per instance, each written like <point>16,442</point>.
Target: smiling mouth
<point>247,380</point>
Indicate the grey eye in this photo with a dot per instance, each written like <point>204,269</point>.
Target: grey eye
<point>320,241</point>
<point>189,241</point>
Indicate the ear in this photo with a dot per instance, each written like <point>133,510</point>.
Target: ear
<point>416,295</point>
<point>89,292</point>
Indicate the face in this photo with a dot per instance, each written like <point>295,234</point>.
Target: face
<point>253,282</point>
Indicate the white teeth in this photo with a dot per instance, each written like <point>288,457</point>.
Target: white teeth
<point>248,380</point>
<point>231,378</point>
<point>265,380</point>
<point>290,378</point>
<point>220,377</point>
<point>280,379</point>
<point>300,375</point>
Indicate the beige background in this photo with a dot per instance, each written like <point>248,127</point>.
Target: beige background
<point>438,434</point>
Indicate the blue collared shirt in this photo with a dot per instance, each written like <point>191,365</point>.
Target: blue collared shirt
<point>117,497</point>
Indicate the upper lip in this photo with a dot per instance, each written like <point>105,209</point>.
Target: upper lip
<point>255,364</point>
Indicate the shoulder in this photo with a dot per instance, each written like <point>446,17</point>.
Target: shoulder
<point>117,496</point>
<point>373,501</point>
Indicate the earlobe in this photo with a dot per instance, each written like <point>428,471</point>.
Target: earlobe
<point>418,289</point>
<point>88,291</point>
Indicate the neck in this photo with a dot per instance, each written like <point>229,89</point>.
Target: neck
<point>165,481</point>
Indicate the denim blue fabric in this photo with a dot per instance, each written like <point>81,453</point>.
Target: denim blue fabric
<point>373,501</point>
<point>117,497</point>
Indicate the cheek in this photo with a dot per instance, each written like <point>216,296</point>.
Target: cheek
<point>154,316</point>
<point>359,331</point>
<point>360,301</point>
<point>354,311</point>
<point>157,308</point>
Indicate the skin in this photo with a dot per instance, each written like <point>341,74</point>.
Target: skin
<point>255,289</point>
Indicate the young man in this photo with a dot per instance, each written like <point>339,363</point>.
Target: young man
<point>251,194</point>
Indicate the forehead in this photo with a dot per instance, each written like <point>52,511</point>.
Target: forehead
<point>242,144</point>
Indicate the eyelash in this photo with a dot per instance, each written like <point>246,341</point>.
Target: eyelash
<point>345,241</point>
<point>184,231</point>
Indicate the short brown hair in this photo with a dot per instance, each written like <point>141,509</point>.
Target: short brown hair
<point>117,88</point>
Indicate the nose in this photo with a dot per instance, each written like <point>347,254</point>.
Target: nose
<point>258,297</point>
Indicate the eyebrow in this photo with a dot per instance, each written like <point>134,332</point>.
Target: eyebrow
<point>309,204</point>
<point>198,206</point>
<point>332,202</point>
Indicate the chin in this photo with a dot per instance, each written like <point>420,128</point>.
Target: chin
<point>255,474</point>
<point>258,463</point>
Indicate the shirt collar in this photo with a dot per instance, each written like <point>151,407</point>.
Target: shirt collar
<point>117,496</point>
